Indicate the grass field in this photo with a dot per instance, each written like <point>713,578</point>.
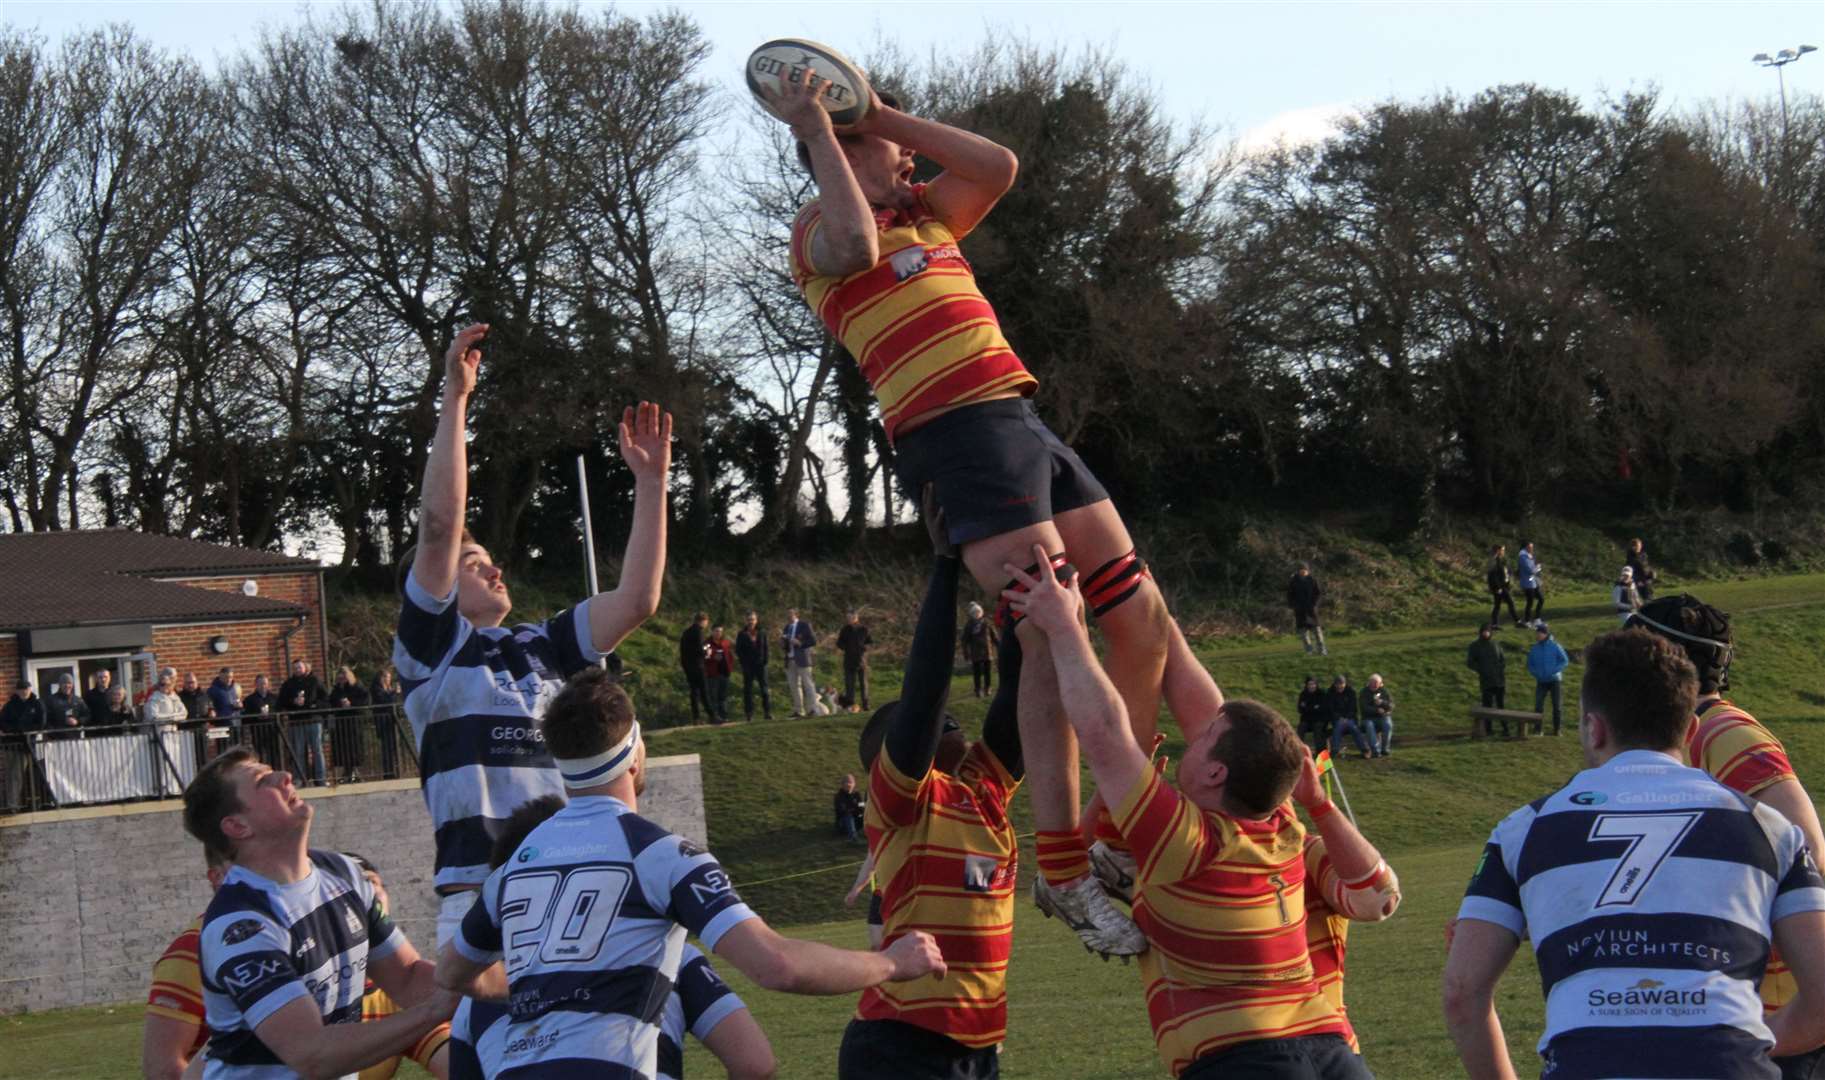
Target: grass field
<point>1429,807</point>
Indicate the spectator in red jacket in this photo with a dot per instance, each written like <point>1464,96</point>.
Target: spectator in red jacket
<point>718,667</point>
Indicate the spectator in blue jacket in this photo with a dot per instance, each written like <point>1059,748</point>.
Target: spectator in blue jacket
<point>1528,565</point>
<point>225,698</point>
<point>1546,662</point>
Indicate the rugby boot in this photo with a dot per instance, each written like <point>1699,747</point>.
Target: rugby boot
<point>1085,908</point>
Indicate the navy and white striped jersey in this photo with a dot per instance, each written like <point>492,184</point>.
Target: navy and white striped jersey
<point>474,696</point>
<point>590,916</point>
<point>1650,891</point>
<point>700,1001</point>
<point>264,944</point>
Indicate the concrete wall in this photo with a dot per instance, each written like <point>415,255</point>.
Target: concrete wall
<point>91,897</point>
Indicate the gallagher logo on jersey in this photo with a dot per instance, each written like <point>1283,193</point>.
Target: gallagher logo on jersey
<point>1590,798</point>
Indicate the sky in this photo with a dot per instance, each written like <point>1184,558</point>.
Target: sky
<point>1257,71</point>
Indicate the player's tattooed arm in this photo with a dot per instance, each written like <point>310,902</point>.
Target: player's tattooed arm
<point>846,240</point>
<point>445,491</point>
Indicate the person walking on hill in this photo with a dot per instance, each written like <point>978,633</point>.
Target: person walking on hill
<point>1546,662</point>
<point>1378,715</point>
<point>797,640</point>
<point>1639,570</point>
<point>853,641</point>
<point>1485,658</point>
<point>751,654</point>
<point>1342,704</point>
<point>1495,576</point>
<point>1626,595</point>
<point>978,643</point>
<point>1314,715</point>
<point>718,668</point>
<point>691,655</point>
<point>1528,565</point>
<point>1302,595</point>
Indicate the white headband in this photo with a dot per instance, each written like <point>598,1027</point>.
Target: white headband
<point>591,771</point>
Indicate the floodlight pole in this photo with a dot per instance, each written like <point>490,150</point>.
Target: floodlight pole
<point>1779,62</point>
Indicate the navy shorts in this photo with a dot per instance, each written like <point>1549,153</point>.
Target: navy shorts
<point>1303,1057</point>
<point>995,468</point>
<point>892,1050</point>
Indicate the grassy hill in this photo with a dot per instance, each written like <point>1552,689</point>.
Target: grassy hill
<point>1429,807</point>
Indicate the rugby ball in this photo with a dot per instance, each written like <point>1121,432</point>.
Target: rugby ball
<point>846,99</point>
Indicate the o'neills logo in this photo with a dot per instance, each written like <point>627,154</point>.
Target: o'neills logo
<point>1647,992</point>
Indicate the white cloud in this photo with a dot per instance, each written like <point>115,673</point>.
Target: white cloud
<point>1295,127</point>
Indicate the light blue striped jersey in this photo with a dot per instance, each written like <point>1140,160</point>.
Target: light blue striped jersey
<point>1650,891</point>
<point>590,916</point>
<point>475,696</point>
<point>700,1001</point>
<point>266,944</point>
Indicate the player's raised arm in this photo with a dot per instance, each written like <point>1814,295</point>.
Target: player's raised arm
<point>1090,701</point>
<point>646,445</point>
<point>846,241</point>
<point>977,171</point>
<point>445,493</point>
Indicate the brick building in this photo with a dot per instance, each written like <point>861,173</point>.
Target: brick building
<point>79,601</point>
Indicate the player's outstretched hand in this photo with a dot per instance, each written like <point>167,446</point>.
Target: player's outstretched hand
<point>796,101</point>
<point>646,441</point>
<point>1309,790</point>
<point>463,359</point>
<point>915,956</point>
<point>1054,608</point>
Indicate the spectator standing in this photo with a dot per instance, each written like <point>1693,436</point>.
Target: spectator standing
<point>691,655</point>
<point>1302,594</point>
<point>751,653</point>
<point>1546,662</point>
<point>383,701</point>
<point>1496,577</point>
<point>1341,702</point>
<point>1528,565</point>
<point>978,642</point>
<point>197,705</point>
<point>718,667</point>
<point>853,641</point>
<point>260,708</point>
<point>99,696</point>
<point>1639,569</point>
<point>1378,715</point>
<point>1314,715</point>
<point>299,698</point>
<point>849,808</point>
<point>797,640</point>
<point>22,713</point>
<point>348,750</point>
<point>260,704</point>
<point>164,706</point>
<point>225,699</point>
<point>1626,595</point>
<point>63,709</point>
<point>1485,658</point>
<point>117,712</point>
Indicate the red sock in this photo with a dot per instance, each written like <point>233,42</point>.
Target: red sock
<point>1062,856</point>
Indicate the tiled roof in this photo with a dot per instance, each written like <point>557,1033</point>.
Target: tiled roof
<point>96,576</point>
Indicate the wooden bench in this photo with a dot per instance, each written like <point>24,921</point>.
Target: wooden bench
<point>1527,721</point>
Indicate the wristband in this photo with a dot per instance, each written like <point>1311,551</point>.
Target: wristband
<point>1321,811</point>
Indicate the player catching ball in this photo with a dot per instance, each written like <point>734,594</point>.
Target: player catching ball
<point>877,257</point>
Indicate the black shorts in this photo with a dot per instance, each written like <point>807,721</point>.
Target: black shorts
<point>891,1050</point>
<point>996,468</point>
<point>1304,1057</point>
